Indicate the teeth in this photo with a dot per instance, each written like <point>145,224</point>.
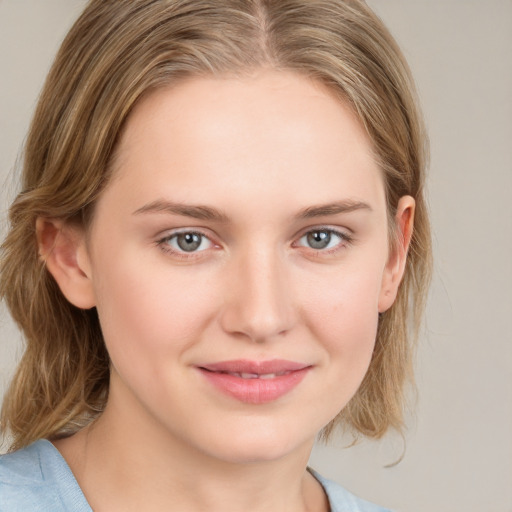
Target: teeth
<point>264,376</point>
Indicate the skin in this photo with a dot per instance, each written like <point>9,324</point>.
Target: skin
<point>261,151</point>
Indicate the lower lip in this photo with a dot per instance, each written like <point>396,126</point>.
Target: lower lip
<point>255,391</point>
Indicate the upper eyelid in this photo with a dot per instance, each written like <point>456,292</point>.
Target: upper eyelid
<point>169,233</point>
<point>345,233</point>
<point>346,239</point>
<point>163,242</point>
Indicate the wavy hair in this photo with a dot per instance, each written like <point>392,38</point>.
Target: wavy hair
<point>117,52</point>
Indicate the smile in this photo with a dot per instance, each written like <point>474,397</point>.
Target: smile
<point>254,382</point>
<point>258,376</point>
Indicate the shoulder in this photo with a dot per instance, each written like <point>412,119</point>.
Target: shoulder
<point>342,500</point>
<point>37,478</point>
<point>23,467</point>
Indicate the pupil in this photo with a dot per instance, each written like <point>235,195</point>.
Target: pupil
<point>319,239</point>
<point>189,241</point>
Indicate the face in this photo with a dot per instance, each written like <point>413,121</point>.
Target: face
<point>238,261</point>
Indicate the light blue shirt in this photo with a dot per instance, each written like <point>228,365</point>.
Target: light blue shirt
<point>37,479</point>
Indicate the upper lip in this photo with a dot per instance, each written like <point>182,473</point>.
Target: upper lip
<point>254,367</point>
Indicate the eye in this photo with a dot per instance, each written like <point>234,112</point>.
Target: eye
<point>322,239</point>
<point>187,242</point>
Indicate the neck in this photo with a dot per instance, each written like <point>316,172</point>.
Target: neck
<point>157,470</point>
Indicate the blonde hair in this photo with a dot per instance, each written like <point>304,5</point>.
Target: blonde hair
<point>119,51</point>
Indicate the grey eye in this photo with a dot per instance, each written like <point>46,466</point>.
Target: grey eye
<point>320,239</point>
<point>189,242</point>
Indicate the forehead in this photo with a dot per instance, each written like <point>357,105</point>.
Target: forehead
<point>263,134</point>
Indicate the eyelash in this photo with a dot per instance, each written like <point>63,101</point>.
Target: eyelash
<point>344,240</point>
<point>164,244</point>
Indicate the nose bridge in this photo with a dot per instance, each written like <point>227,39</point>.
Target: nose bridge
<point>260,303</point>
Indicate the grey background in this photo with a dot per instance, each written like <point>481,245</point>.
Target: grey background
<point>458,451</point>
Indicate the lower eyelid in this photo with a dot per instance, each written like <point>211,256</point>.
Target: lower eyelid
<point>345,238</point>
<point>164,244</point>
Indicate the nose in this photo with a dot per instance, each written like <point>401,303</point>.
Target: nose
<point>259,303</point>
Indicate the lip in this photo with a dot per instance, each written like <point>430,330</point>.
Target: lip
<point>255,382</point>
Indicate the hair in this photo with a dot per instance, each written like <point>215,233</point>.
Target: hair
<point>119,51</point>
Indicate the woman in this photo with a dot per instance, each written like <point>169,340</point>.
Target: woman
<point>213,257</point>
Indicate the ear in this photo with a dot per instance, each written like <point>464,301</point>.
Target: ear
<point>62,248</point>
<point>395,266</point>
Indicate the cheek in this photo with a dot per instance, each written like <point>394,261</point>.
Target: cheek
<point>343,315</point>
<point>147,314</point>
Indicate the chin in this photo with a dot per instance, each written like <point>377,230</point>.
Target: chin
<point>254,445</point>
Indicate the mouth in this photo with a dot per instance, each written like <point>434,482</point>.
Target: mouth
<point>264,376</point>
<point>255,382</point>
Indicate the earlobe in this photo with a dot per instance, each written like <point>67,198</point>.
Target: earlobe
<point>395,266</point>
<point>63,250</point>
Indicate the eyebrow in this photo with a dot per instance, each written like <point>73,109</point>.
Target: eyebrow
<point>203,212</point>
<point>333,209</point>
<point>195,211</point>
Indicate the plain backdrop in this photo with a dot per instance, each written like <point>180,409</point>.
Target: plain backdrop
<point>458,451</point>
